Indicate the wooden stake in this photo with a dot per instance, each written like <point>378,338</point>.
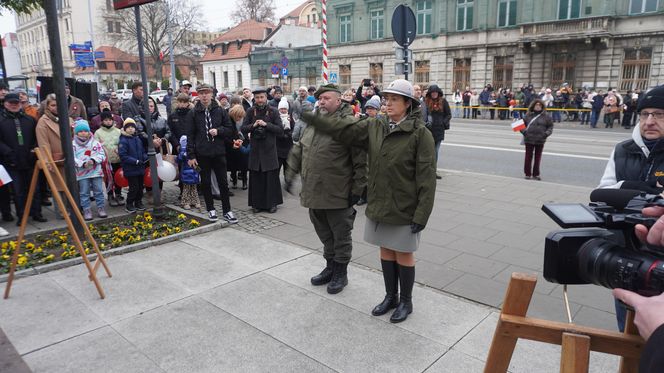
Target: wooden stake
<point>575,355</point>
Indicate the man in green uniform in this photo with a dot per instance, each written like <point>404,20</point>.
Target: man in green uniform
<point>333,179</point>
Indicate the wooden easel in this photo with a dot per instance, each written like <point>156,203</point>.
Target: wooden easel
<point>43,163</point>
<point>576,341</point>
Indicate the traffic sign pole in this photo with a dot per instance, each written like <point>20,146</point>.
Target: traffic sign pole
<point>404,27</point>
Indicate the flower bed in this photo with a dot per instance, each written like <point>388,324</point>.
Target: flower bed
<point>52,246</point>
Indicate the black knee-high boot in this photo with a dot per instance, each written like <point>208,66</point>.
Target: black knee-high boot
<point>405,307</point>
<point>390,277</point>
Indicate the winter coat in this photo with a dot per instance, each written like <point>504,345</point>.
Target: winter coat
<point>178,122</point>
<point>598,102</point>
<point>263,155</point>
<point>91,150</point>
<point>13,155</point>
<point>538,130</point>
<point>485,96</point>
<point>110,139</point>
<point>131,108</point>
<point>77,108</point>
<point>300,125</point>
<point>285,141</point>
<point>331,171</point>
<point>116,105</point>
<point>48,137</point>
<point>631,160</point>
<point>132,155</point>
<point>466,98</point>
<point>199,141</point>
<point>437,121</point>
<point>402,166</point>
<point>652,359</point>
<point>188,175</point>
<point>95,123</point>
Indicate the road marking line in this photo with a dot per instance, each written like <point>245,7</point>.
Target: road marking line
<point>521,151</point>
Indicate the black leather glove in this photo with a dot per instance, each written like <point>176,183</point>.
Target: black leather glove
<point>288,186</point>
<point>353,199</point>
<point>415,228</point>
<point>643,186</point>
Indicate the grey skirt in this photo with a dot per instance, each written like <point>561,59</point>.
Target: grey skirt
<point>393,237</point>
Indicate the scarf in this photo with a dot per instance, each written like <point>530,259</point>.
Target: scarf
<point>208,124</point>
<point>81,142</point>
<point>51,116</point>
<point>650,144</point>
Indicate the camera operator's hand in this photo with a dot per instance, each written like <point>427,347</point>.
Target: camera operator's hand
<point>654,235</point>
<point>648,311</point>
<point>416,228</point>
<point>288,185</point>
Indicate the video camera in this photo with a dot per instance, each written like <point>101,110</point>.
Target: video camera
<point>598,245</point>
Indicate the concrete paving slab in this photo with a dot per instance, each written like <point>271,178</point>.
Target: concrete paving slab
<point>309,240</point>
<point>322,328</point>
<point>478,289</point>
<point>250,250</point>
<point>456,362</point>
<point>134,288</point>
<point>189,266</point>
<point>39,312</point>
<point>193,335</point>
<point>435,275</point>
<point>474,231</point>
<point>371,260</point>
<point>435,254</point>
<point>82,354</point>
<point>528,356</point>
<point>475,246</point>
<point>432,310</point>
<point>476,265</point>
<point>590,295</point>
<point>542,287</point>
<point>519,257</point>
<point>285,232</point>
<point>595,318</point>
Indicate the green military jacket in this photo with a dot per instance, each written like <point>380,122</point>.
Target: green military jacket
<point>331,171</point>
<point>402,165</point>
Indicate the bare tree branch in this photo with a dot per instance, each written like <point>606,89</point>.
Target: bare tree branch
<point>259,10</point>
<point>158,18</point>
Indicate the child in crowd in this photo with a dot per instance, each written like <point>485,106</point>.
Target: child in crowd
<point>88,157</point>
<point>189,178</point>
<point>109,137</point>
<point>132,158</point>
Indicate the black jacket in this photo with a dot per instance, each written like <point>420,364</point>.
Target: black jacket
<point>263,155</point>
<point>631,164</point>
<point>132,155</point>
<point>199,142</point>
<point>132,108</point>
<point>437,121</point>
<point>285,141</point>
<point>178,122</point>
<point>652,357</point>
<point>15,156</point>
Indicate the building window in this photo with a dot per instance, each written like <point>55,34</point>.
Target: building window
<point>636,69</point>
<point>110,27</point>
<point>376,73</point>
<point>133,66</point>
<point>262,77</point>
<point>422,69</point>
<point>311,75</point>
<point>101,65</point>
<point>225,82</point>
<point>503,68</point>
<point>461,71</point>
<point>377,24</point>
<point>119,66</point>
<point>344,77</point>
<point>118,27</point>
<point>344,29</point>
<point>239,79</point>
<point>506,13</point>
<point>464,15</point>
<point>569,9</point>
<point>109,5</point>
<point>423,9</point>
<point>643,6</point>
<point>563,69</point>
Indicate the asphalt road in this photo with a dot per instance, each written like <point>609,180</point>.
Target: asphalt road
<point>573,155</point>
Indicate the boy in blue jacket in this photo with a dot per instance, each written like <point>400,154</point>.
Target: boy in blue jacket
<point>132,158</point>
<point>189,178</point>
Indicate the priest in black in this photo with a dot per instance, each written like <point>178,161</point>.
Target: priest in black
<point>262,125</point>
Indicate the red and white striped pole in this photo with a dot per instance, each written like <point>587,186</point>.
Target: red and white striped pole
<point>324,20</point>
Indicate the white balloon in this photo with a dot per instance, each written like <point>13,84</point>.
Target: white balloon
<point>167,172</point>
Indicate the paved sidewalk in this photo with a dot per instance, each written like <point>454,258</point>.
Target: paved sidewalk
<point>229,301</point>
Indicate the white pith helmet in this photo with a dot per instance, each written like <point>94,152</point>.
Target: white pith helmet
<point>402,87</point>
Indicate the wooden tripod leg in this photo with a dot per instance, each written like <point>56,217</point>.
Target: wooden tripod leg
<point>86,229</point>
<point>517,299</point>
<point>575,354</point>
<point>21,230</point>
<point>629,365</point>
<point>70,224</point>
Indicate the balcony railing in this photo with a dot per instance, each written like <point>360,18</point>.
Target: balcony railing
<point>595,25</point>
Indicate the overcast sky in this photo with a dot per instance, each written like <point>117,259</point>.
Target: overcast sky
<point>217,14</point>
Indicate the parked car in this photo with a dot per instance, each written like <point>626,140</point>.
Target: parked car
<point>124,94</point>
<point>158,95</point>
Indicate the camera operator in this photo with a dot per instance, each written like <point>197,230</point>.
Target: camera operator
<point>649,311</point>
<point>639,163</point>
